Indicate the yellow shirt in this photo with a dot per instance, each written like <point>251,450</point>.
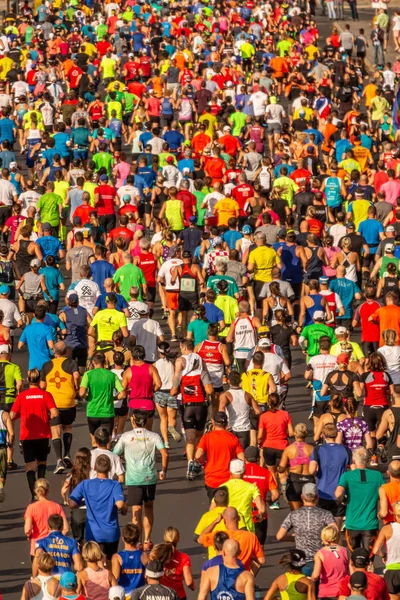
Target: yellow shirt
<point>357,353</point>
<point>311,50</point>
<point>206,520</point>
<point>307,110</point>
<point>90,49</point>
<point>107,322</point>
<point>369,93</point>
<point>211,123</point>
<point>5,66</point>
<point>89,187</point>
<point>225,209</point>
<point>241,496</point>
<point>107,67</point>
<point>111,88</point>
<point>61,188</point>
<point>255,382</point>
<point>263,259</point>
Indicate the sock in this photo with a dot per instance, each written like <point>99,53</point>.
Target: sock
<point>67,439</point>
<point>41,471</point>
<point>57,445</point>
<point>31,477</point>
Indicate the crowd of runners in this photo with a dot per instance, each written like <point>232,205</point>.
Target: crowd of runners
<point>190,191</point>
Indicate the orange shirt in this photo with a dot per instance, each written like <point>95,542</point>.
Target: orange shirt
<point>362,155</point>
<point>279,66</point>
<point>39,512</point>
<point>225,209</point>
<point>388,318</point>
<point>157,84</point>
<point>220,448</point>
<point>250,547</point>
<point>392,491</point>
<point>369,93</point>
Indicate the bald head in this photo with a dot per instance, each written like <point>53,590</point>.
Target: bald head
<point>230,515</point>
<point>341,271</point>
<point>394,469</point>
<point>109,284</point>
<point>60,349</point>
<point>231,548</point>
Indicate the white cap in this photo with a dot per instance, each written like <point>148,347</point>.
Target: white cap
<point>116,591</point>
<point>35,262</point>
<point>389,247</point>
<point>340,331</point>
<point>237,466</point>
<point>226,128</point>
<point>264,343</point>
<point>319,315</point>
<point>4,349</point>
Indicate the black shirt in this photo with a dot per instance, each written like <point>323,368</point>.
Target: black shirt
<point>154,591</point>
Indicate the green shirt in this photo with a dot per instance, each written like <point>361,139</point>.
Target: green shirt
<point>283,46</point>
<point>100,384</point>
<point>127,276</point>
<point>129,101</point>
<point>9,375</point>
<point>232,285</point>
<point>48,206</point>
<point>241,496</point>
<point>361,488</point>
<point>313,333</point>
<point>102,159</point>
<point>139,449</point>
<point>101,31</point>
<point>200,195</point>
<point>199,328</point>
<point>238,120</point>
<point>229,307</point>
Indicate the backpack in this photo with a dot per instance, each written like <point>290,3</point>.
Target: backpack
<point>6,271</point>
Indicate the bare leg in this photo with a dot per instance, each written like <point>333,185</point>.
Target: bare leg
<point>148,520</point>
<point>162,411</point>
<point>137,518</point>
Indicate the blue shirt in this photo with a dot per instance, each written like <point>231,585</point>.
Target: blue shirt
<point>318,136</point>
<point>49,246</point>
<point>173,138</point>
<point>186,163</point>
<point>341,147</point>
<point>277,170</point>
<point>101,270</point>
<point>121,302</point>
<point>149,176</point>
<point>54,323</point>
<point>145,137</point>
<point>53,280</point>
<point>346,289</point>
<point>48,155</point>
<point>7,130</point>
<point>231,237</point>
<point>332,461</point>
<point>213,313</point>
<point>366,141</point>
<point>36,336</point>
<point>100,496</point>
<point>62,548</point>
<point>61,140</point>
<point>137,38</point>
<point>370,230</point>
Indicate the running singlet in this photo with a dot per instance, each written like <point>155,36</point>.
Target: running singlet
<point>210,353</point>
<point>132,570</point>
<point>225,588</point>
<point>191,386</point>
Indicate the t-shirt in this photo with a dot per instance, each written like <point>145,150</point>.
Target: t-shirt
<point>346,290</point>
<point>62,548</point>
<point>263,259</point>
<point>155,591</point>
<point>116,466</point>
<point>173,572</point>
<point>333,460</point>
<point>376,588</point>
<point>78,256</point>
<point>199,329</point>
<point>36,336</point>
<point>100,496</point>
<point>361,488</point>
<point>32,406</point>
<point>101,384</point>
<point>139,449</point>
<point>250,547</point>
<point>108,321</point>
<point>220,448</point>
<point>39,512</point>
<point>370,230</point>
<point>241,496</point>
<point>308,522</point>
<point>232,286</point>
<point>9,374</point>
<point>48,206</point>
<point>263,479</point>
<point>127,276</point>
<point>206,520</point>
<point>225,209</point>
<point>275,424</point>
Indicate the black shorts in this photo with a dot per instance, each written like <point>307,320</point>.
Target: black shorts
<point>30,304</point>
<point>336,508</point>
<point>6,406</point>
<point>369,347</point>
<point>67,415</point>
<point>80,355</point>
<point>147,208</point>
<point>151,294</point>
<point>361,538</point>
<point>195,416</point>
<point>261,529</point>
<point>257,287</point>
<point>35,450</point>
<point>243,437</point>
<point>186,304</point>
<point>138,494</point>
<point>373,416</point>
<point>149,413</point>
<point>5,213</point>
<point>295,484</point>
<point>109,548</point>
<point>210,492</point>
<point>272,456</point>
<point>320,408</point>
<point>392,579</point>
<point>94,423</point>
<point>122,410</point>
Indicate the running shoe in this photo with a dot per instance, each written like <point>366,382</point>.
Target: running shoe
<point>374,461</point>
<point>60,467</point>
<point>2,494</point>
<point>68,462</point>
<point>179,331</point>
<point>12,466</point>
<point>174,338</point>
<point>176,436</point>
<point>167,446</point>
<point>190,473</point>
<point>275,505</point>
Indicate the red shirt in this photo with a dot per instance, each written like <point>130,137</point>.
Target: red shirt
<point>73,75</point>
<point>241,193</point>
<point>189,201</point>
<point>301,177</point>
<point>369,329</point>
<point>173,573</point>
<point>275,424</point>
<point>230,143</point>
<point>107,194</point>
<point>145,65</point>
<point>128,208</point>
<point>33,407</point>
<point>83,212</point>
<point>136,88</point>
<point>123,232</point>
<point>263,479</point>
<point>148,264</point>
<point>376,590</point>
<point>379,179</point>
<point>102,47</point>
<point>132,68</point>
<point>220,448</point>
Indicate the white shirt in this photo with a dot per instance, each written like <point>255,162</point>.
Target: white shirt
<point>165,370</point>
<point>11,312</point>
<point>146,332</point>
<point>258,100</point>
<point>274,365</point>
<point>88,291</point>
<point>20,88</point>
<point>211,199</point>
<point>322,365</point>
<point>27,199</point>
<point>134,306</point>
<point>165,273</point>
<point>131,190</point>
<point>116,466</point>
<point>7,192</point>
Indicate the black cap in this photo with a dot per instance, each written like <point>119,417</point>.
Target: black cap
<point>222,285</point>
<point>252,454</point>
<point>112,297</point>
<point>360,557</point>
<point>359,580</point>
<point>221,418</point>
<point>186,254</point>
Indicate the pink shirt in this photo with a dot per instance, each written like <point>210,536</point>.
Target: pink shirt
<point>39,512</point>
<point>122,170</point>
<point>392,191</point>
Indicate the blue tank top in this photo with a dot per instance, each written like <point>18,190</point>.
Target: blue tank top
<point>76,319</point>
<point>225,589</point>
<point>292,269</point>
<point>310,311</point>
<point>332,192</point>
<point>166,107</point>
<point>52,172</point>
<point>3,430</point>
<point>15,182</point>
<point>132,570</point>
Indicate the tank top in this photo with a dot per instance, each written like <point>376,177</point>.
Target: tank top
<point>312,309</point>
<point>278,306</point>
<point>255,136</point>
<point>136,149</point>
<point>390,284</point>
<point>52,172</point>
<point>148,264</point>
<point>393,547</point>
<point>292,268</point>
<point>245,336</point>
<point>3,431</point>
<point>291,592</point>
<point>191,385</point>
<point>265,178</point>
<point>141,390</point>
<point>43,594</point>
<point>334,568</point>
<point>211,355</point>
<point>330,299</point>
<point>392,447</point>
<point>314,264</point>
<point>166,107</point>
<point>188,284</point>
<point>173,214</point>
<point>351,272</point>
<point>185,112</point>
<point>246,243</point>
<point>75,324</point>
<point>61,384</point>
<point>96,112</point>
<point>131,575</point>
<point>301,458</point>
<point>332,192</point>
<point>16,183</point>
<point>238,411</point>
<point>32,285</point>
<point>225,588</point>
<point>97,585</point>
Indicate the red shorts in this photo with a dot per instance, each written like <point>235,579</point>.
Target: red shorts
<point>172,300</point>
